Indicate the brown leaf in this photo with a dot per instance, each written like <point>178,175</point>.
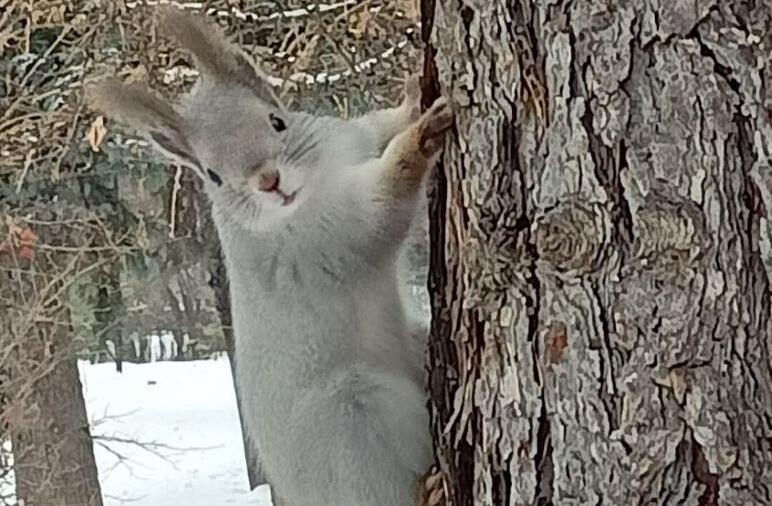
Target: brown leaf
<point>27,237</point>
<point>96,133</point>
<point>23,239</point>
<point>26,253</point>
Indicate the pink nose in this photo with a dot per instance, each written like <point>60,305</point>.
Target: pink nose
<point>268,181</point>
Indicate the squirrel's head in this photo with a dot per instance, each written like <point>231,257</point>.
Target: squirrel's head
<point>231,130</point>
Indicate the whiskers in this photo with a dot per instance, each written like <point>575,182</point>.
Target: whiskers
<point>238,207</point>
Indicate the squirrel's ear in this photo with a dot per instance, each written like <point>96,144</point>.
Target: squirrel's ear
<point>142,110</point>
<point>217,57</point>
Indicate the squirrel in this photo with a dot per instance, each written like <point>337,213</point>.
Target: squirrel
<point>311,212</point>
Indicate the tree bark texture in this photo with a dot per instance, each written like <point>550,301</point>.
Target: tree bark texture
<point>601,251</point>
<point>52,447</point>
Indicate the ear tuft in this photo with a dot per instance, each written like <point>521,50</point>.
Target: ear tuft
<point>141,109</point>
<point>99,95</point>
<point>131,103</point>
<point>218,58</point>
<point>203,38</point>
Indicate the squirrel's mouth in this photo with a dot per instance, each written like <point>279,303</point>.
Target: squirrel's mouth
<point>287,199</point>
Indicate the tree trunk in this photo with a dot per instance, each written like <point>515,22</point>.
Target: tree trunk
<point>144,349</point>
<point>181,321</point>
<point>110,314</point>
<point>52,447</point>
<point>601,254</point>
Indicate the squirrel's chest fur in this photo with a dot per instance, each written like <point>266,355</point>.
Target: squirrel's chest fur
<point>307,332</point>
<point>307,329</point>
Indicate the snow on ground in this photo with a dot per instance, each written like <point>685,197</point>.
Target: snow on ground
<point>183,417</point>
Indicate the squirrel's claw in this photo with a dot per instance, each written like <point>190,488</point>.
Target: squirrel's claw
<point>433,125</point>
<point>433,490</point>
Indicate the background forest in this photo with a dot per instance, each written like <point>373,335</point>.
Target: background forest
<point>107,253</point>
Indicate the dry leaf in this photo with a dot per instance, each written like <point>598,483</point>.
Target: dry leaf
<point>412,9</point>
<point>23,239</point>
<point>361,23</point>
<point>306,55</point>
<point>26,253</point>
<point>96,133</point>
<point>27,237</point>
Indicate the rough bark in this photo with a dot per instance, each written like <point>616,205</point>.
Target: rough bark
<point>52,447</point>
<point>601,252</point>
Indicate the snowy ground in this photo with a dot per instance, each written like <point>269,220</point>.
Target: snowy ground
<point>183,417</point>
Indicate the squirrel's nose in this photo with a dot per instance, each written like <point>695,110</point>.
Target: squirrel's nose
<point>268,180</point>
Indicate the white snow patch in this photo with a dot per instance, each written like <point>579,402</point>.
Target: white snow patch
<point>185,413</point>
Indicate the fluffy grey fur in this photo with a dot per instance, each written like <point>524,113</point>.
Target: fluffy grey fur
<point>330,368</point>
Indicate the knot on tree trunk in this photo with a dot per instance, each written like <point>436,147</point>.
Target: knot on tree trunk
<point>663,283</point>
<point>572,238</point>
<point>670,236</point>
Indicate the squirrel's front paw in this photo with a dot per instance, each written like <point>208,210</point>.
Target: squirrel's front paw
<point>433,125</point>
<point>432,490</point>
<point>410,154</point>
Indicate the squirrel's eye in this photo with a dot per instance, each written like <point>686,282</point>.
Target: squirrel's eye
<point>214,177</point>
<point>277,123</point>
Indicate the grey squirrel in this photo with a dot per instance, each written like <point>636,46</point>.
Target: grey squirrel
<point>311,213</point>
